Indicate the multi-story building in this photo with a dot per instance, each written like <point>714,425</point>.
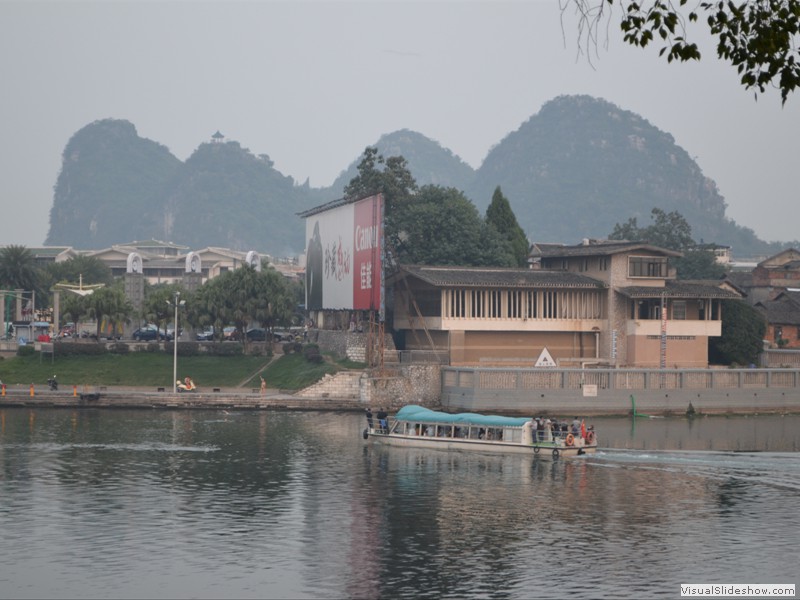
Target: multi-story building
<point>601,302</point>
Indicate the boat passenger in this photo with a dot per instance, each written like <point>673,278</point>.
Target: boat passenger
<point>548,431</point>
<point>369,418</point>
<point>540,429</point>
<point>576,426</point>
<point>590,436</point>
<point>383,423</point>
<point>430,431</point>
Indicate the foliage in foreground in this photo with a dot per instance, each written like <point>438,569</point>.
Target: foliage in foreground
<point>759,38</point>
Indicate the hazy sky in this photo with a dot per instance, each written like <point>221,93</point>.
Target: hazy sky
<point>313,83</point>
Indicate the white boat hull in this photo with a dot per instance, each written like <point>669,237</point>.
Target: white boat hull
<point>541,449</point>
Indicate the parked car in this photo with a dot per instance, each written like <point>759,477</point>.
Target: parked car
<point>149,333</point>
<point>206,335</point>
<point>230,333</point>
<point>256,334</point>
<point>283,335</point>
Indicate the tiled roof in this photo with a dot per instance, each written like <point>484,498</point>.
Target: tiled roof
<point>447,276</point>
<point>42,251</point>
<point>597,248</point>
<point>782,311</point>
<point>741,279</point>
<point>679,289</point>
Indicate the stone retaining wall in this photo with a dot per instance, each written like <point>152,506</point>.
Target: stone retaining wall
<point>182,401</point>
<point>414,384</point>
<point>353,345</point>
<point>342,385</point>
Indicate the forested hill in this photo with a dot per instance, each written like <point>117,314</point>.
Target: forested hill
<point>581,165</point>
<point>573,170</point>
<point>116,187</point>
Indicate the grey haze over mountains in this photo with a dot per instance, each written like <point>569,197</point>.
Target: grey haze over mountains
<point>573,170</point>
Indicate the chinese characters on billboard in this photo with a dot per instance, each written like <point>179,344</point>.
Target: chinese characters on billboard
<point>343,256</point>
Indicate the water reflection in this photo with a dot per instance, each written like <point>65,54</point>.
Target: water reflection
<point>250,504</point>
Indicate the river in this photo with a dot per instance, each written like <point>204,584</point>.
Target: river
<point>215,504</point>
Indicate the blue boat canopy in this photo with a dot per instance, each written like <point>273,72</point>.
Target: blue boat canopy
<point>416,413</point>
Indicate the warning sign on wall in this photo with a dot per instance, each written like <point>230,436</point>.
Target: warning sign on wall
<point>545,360</point>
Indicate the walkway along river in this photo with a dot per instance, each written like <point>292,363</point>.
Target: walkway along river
<point>504,390</point>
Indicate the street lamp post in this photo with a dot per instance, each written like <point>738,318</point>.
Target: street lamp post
<point>177,303</point>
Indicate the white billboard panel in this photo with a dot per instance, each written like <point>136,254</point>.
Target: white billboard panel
<point>343,256</point>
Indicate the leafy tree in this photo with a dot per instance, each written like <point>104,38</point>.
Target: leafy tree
<point>432,224</point>
<point>669,230</point>
<point>108,304</point>
<point>159,305</point>
<point>672,231</point>
<point>72,307</point>
<point>18,268</point>
<point>743,329</point>
<point>760,38</point>
<point>207,306</point>
<point>88,269</point>
<point>441,228</point>
<point>392,178</point>
<point>699,264</point>
<point>240,298</point>
<point>500,217</point>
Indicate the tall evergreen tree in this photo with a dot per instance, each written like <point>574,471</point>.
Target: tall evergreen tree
<point>500,216</point>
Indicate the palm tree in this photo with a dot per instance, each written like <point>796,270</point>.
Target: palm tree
<point>110,304</point>
<point>18,268</point>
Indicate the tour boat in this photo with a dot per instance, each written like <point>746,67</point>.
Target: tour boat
<point>419,427</point>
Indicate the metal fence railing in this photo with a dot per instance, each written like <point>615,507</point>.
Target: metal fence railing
<point>521,379</point>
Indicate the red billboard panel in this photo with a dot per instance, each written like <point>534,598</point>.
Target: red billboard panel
<point>344,268</point>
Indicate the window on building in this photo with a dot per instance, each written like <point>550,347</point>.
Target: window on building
<point>429,302</point>
<point>603,263</point>
<point>647,266</point>
<point>679,310</point>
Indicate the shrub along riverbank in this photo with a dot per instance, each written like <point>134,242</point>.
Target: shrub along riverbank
<point>154,369</point>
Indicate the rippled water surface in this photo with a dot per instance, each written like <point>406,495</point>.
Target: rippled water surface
<point>266,504</point>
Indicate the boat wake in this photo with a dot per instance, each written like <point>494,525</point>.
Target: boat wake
<point>775,469</point>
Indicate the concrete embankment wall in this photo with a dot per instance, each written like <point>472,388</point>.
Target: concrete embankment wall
<point>616,402</point>
<point>608,392</point>
<point>129,398</point>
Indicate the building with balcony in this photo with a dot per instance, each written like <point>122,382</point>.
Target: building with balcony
<point>598,302</point>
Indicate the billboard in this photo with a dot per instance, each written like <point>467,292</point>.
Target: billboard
<point>344,268</point>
